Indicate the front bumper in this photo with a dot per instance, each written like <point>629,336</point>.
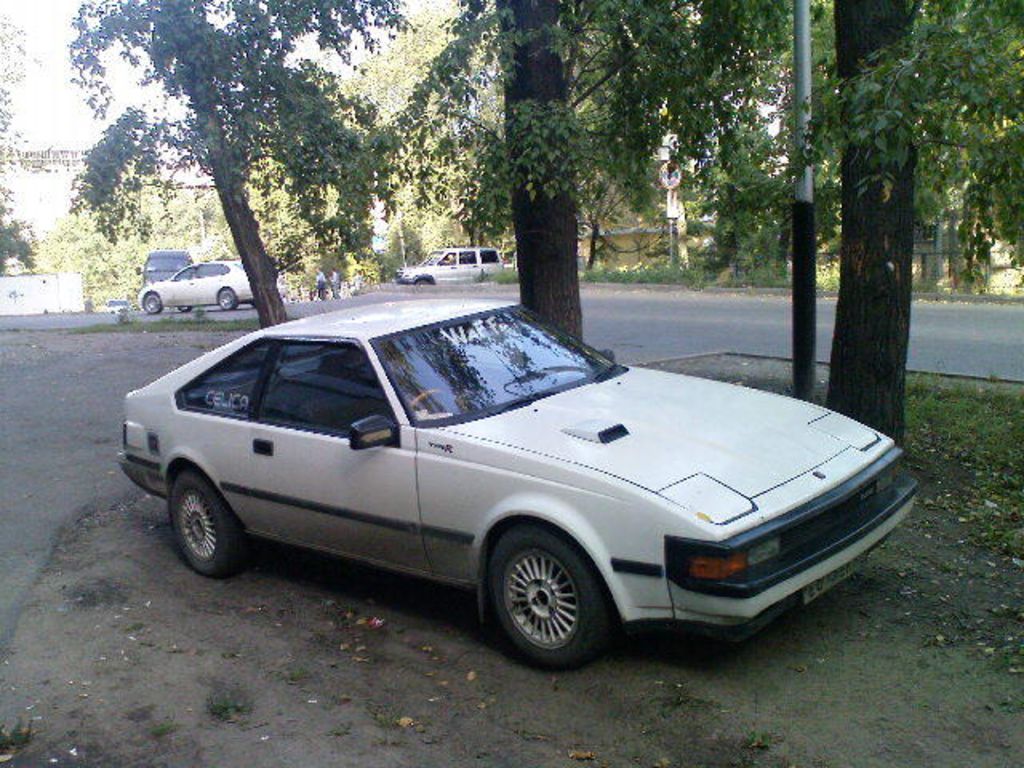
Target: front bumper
<point>144,473</point>
<point>815,542</point>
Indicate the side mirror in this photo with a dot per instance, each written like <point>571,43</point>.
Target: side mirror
<point>609,353</point>
<point>372,432</point>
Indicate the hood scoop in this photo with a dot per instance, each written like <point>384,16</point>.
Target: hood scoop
<point>597,431</point>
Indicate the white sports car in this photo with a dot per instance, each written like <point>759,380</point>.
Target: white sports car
<point>223,283</point>
<point>470,443</point>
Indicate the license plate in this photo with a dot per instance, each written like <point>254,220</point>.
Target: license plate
<point>816,589</point>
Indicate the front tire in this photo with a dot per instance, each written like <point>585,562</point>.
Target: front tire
<point>227,299</point>
<point>548,598</point>
<point>209,535</point>
<point>152,304</point>
<point>423,281</point>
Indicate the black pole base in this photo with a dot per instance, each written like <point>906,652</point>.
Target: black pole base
<point>804,299</point>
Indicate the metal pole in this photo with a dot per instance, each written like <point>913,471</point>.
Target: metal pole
<point>673,246</point>
<point>804,246</point>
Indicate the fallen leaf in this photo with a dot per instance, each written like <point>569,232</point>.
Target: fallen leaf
<point>405,722</point>
<point>471,676</point>
<point>579,754</point>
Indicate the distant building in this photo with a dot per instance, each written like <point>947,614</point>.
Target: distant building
<point>41,183</point>
<point>39,294</point>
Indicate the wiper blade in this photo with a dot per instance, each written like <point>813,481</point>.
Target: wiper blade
<point>612,370</point>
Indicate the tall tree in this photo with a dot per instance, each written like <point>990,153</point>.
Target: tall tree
<point>247,94</point>
<point>937,80</point>
<point>872,328</point>
<point>589,84</point>
<point>543,206</point>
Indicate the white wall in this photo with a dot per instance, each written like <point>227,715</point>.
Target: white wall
<point>36,294</point>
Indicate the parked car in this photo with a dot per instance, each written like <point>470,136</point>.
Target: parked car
<point>472,444</point>
<point>452,265</point>
<point>118,306</point>
<point>161,265</point>
<point>223,283</point>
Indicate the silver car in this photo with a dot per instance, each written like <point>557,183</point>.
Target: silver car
<point>223,283</point>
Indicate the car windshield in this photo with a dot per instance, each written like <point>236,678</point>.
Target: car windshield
<point>480,365</point>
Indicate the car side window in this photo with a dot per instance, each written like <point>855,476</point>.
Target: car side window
<point>227,389</point>
<point>186,274</point>
<point>467,257</point>
<point>488,257</point>
<point>323,387</point>
<point>447,260</point>
<point>211,270</point>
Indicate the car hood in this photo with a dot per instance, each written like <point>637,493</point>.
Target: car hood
<point>678,427</point>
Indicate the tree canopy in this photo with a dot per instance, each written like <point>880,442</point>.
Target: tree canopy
<point>247,95</point>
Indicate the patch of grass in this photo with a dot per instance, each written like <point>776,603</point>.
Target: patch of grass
<point>506,277</point>
<point>171,326</point>
<point>647,274</point>
<point>296,675</point>
<point>228,707</point>
<point>17,738</point>
<point>165,728</point>
<point>978,430</point>
<point>760,740</point>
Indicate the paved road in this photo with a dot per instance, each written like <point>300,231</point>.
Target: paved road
<point>644,325</point>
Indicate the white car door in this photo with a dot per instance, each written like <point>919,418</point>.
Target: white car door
<point>490,261</point>
<point>214,409</point>
<point>308,486</point>
<point>446,269</point>
<point>209,277</point>
<point>176,290</point>
<point>469,267</point>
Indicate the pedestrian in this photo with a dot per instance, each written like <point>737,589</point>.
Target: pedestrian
<point>335,283</point>
<point>282,287</point>
<point>321,285</point>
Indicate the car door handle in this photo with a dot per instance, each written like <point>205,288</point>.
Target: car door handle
<point>263,447</point>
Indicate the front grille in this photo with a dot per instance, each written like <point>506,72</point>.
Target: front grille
<point>806,536</point>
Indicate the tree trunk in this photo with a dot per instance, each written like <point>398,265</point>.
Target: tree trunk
<point>595,237</point>
<point>259,267</point>
<point>545,225</point>
<point>869,347</point>
<point>229,179</point>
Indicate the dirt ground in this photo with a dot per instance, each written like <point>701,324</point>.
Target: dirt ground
<point>125,657</point>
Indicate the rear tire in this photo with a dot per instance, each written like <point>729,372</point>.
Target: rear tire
<point>423,281</point>
<point>152,303</point>
<point>209,535</point>
<point>549,598</point>
<point>227,299</point>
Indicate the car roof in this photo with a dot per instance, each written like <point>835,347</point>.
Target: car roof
<point>372,320</point>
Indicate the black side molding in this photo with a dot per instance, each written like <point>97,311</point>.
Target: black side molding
<point>146,463</point>
<point>637,568</point>
<point>447,534</point>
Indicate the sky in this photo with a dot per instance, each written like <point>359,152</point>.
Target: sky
<point>48,109</point>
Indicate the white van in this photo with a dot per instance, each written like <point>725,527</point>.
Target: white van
<point>452,265</point>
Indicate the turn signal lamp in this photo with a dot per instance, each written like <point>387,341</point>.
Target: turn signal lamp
<point>711,567</point>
